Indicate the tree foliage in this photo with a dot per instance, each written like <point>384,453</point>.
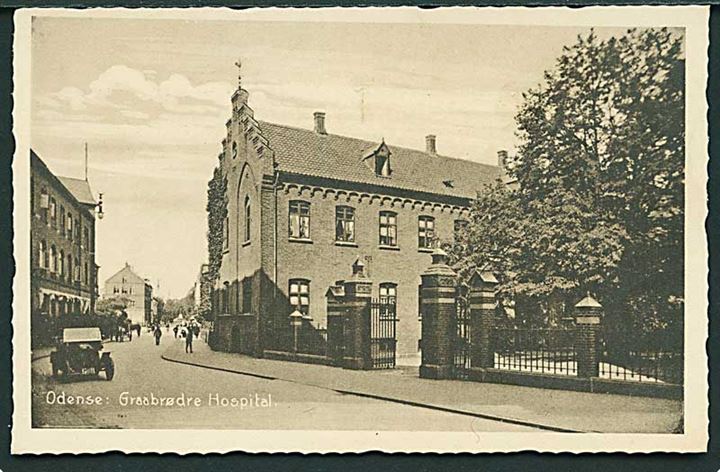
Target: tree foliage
<point>217,212</point>
<point>598,204</point>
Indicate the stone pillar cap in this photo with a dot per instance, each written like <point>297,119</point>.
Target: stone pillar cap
<point>588,302</point>
<point>484,276</point>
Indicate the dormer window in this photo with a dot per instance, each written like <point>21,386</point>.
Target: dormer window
<point>378,159</point>
<point>382,165</point>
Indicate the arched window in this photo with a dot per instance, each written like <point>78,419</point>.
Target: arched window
<point>299,219</point>
<point>345,224</point>
<point>69,267</point>
<point>248,221</point>
<point>76,274</point>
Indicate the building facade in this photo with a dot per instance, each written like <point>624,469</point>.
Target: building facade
<point>304,204</point>
<point>138,291</point>
<point>62,241</point>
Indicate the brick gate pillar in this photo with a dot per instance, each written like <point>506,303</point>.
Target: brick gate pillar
<point>482,319</point>
<point>438,292</point>
<point>588,317</point>
<point>356,303</point>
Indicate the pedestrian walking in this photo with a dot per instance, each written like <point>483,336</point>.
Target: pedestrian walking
<point>158,333</point>
<point>188,341</point>
<point>175,330</point>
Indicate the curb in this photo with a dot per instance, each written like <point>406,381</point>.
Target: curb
<point>428,406</point>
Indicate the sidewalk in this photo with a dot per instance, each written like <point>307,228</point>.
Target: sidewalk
<point>558,410</point>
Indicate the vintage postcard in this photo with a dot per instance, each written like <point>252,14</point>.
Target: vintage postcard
<point>344,230</point>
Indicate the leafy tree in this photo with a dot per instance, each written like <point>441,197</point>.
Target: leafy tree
<point>600,184</point>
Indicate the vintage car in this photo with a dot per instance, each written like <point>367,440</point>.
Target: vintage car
<point>81,352</point>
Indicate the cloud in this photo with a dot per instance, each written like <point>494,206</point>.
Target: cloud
<point>175,93</point>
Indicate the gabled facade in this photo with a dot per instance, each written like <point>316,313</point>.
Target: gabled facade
<point>127,284</point>
<point>304,204</point>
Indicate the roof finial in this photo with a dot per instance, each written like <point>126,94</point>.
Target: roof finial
<point>238,64</point>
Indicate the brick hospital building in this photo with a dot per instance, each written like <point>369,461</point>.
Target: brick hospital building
<point>304,204</point>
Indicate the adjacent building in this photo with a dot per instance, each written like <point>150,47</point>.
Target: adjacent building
<point>127,284</point>
<point>62,242</point>
<point>304,204</point>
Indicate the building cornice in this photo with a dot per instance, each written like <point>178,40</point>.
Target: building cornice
<point>348,192</point>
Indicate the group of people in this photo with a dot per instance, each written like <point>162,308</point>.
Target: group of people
<point>187,331</point>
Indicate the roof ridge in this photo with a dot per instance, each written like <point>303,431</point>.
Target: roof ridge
<point>434,156</point>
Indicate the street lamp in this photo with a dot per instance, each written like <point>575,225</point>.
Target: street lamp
<point>296,318</point>
<point>99,207</point>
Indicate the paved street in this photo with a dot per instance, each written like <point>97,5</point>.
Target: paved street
<point>142,376</point>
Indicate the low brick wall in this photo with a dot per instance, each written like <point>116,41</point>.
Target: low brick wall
<point>299,357</point>
<point>578,384</point>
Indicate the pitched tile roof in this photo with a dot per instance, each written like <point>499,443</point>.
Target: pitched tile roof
<point>305,152</point>
<point>79,188</point>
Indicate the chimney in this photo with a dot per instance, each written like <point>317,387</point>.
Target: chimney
<point>319,122</point>
<point>502,158</point>
<point>430,146</point>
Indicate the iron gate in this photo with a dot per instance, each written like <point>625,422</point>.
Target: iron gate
<point>382,334</point>
<point>463,339</point>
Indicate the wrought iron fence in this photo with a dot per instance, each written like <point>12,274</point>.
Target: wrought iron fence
<point>382,334</point>
<point>642,366</point>
<point>463,340</point>
<point>544,350</point>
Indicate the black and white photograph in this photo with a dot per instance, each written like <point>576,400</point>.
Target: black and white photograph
<point>360,229</point>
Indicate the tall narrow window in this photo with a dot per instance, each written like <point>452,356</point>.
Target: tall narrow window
<point>426,231</point>
<point>299,223</point>
<point>345,224</point>
<point>44,204</point>
<point>234,149</point>
<point>53,212</point>
<point>69,268</point>
<point>61,263</point>
<point>43,255</point>
<point>248,223</point>
<point>388,228</point>
<point>70,226</point>
<point>299,295</point>
<point>76,274</point>
<point>53,259</point>
<point>87,274</point>
<point>62,220</point>
<point>388,300</point>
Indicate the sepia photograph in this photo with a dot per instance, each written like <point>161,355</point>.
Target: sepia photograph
<point>353,229</point>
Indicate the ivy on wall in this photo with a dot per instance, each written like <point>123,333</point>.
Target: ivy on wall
<point>217,211</point>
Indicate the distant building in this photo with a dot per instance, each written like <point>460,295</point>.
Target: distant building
<point>128,284</point>
<point>200,285</point>
<point>62,242</point>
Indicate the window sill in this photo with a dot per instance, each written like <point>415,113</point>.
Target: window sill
<point>246,243</point>
<point>425,249</point>
<point>346,244</point>
<point>300,240</point>
<point>389,248</point>
<point>226,250</point>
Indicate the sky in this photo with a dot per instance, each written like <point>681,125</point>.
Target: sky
<point>151,98</point>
